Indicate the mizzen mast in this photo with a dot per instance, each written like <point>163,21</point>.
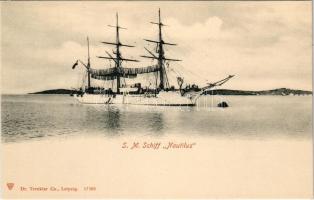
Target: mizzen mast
<point>88,65</point>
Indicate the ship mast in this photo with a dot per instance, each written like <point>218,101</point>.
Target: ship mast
<point>118,55</point>
<point>164,84</point>
<point>161,54</point>
<point>88,65</point>
<point>118,58</point>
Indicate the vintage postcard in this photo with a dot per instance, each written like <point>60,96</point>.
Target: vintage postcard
<point>156,99</point>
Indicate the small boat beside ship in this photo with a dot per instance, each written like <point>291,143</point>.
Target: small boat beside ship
<point>161,94</point>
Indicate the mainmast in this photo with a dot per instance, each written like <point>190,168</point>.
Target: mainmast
<point>118,55</point>
<point>161,55</point>
<point>118,58</point>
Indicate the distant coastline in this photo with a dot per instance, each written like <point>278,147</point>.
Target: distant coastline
<point>279,91</point>
<point>54,91</point>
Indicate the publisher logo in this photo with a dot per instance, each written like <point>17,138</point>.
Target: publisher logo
<point>10,186</point>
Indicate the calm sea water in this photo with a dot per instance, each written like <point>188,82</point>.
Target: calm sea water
<point>36,117</point>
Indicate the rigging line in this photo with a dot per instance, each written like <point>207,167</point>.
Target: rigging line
<point>152,78</point>
<point>124,81</point>
<point>147,79</point>
<point>191,72</point>
<point>83,81</point>
<point>156,76</point>
<point>182,74</point>
<point>166,37</point>
<point>79,79</point>
<point>172,69</point>
<point>172,75</point>
<point>180,65</point>
<point>167,82</point>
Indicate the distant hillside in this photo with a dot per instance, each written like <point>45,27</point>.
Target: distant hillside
<point>55,91</point>
<point>280,91</point>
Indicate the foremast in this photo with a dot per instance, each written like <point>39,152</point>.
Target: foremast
<point>163,79</point>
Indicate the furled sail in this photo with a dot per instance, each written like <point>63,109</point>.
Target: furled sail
<point>111,73</point>
<point>102,72</point>
<point>111,77</point>
<point>105,78</point>
<point>140,70</point>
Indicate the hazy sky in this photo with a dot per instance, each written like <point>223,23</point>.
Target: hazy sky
<point>265,44</point>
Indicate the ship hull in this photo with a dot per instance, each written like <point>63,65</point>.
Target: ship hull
<point>161,99</point>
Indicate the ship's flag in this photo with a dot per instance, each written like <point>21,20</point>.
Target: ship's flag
<point>10,185</point>
<point>76,63</point>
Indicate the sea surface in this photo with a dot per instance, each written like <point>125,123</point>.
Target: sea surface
<point>38,117</point>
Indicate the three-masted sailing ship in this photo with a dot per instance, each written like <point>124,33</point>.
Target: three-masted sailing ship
<point>161,95</point>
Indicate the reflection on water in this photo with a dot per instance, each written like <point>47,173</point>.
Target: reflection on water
<point>113,119</point>
<point>27,117</point>
<point>157,122</point>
